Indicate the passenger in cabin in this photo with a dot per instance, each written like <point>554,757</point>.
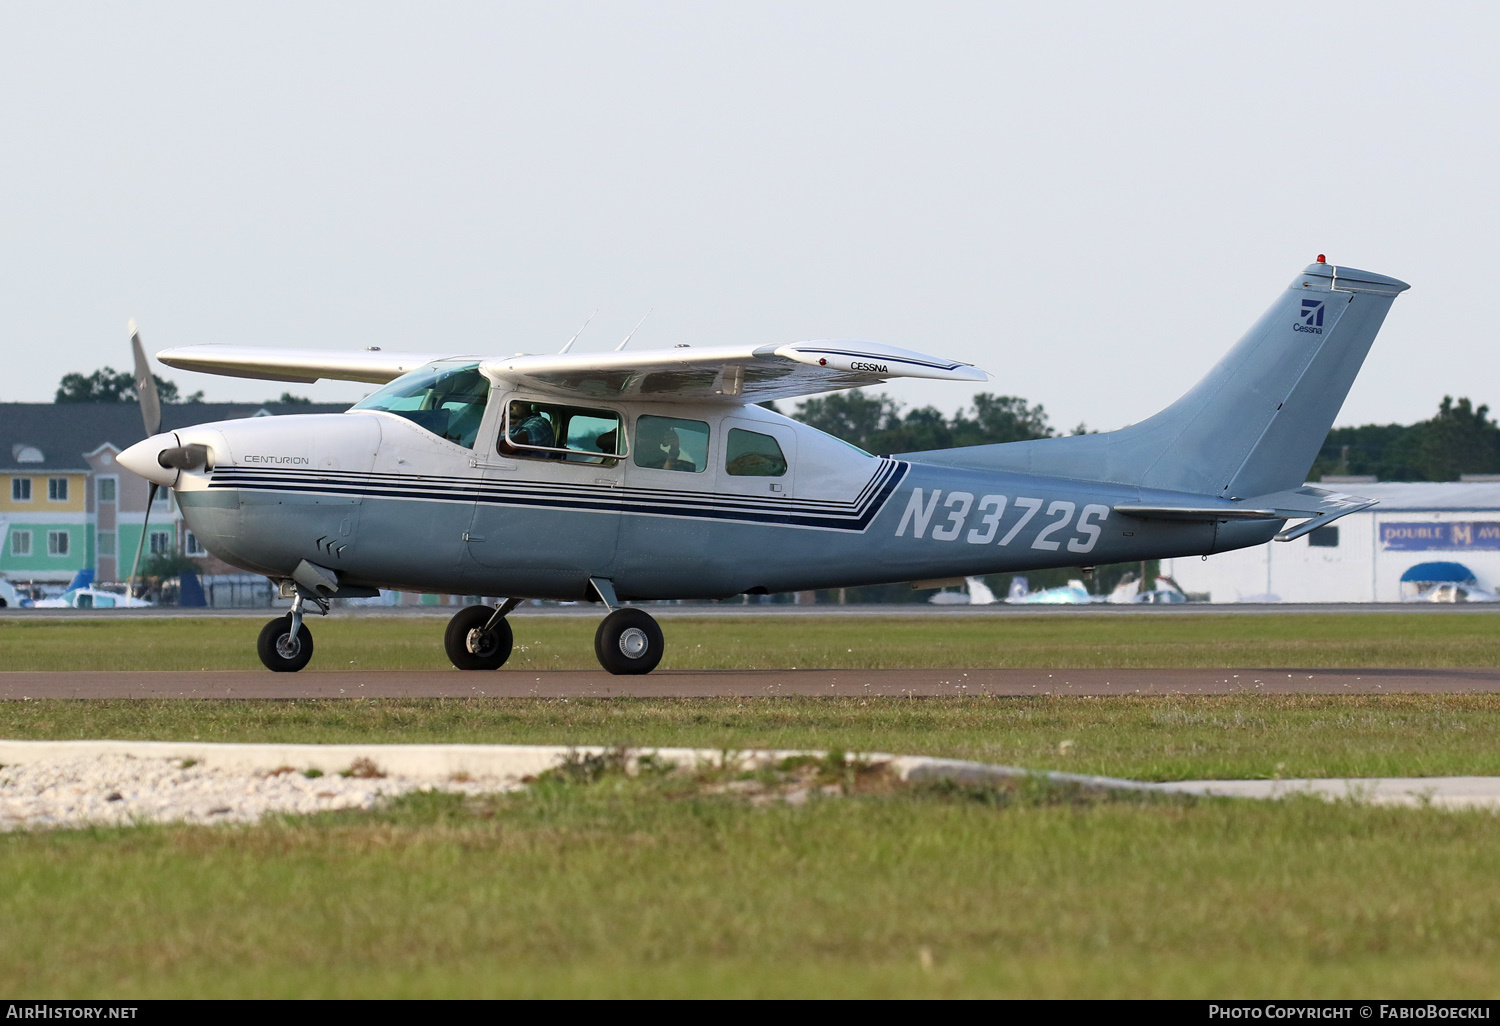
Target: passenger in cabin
<point>660,448</point>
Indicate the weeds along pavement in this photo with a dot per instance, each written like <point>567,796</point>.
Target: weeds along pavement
<point>594,882</point>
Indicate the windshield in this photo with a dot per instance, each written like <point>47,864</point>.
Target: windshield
<point>446,399</point>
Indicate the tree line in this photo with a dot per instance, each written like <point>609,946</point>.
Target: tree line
<point>877,424</point>
<point>107,385</point>
<point>1460,439</point>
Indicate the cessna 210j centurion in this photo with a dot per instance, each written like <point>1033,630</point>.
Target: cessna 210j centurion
<point>653,475</point>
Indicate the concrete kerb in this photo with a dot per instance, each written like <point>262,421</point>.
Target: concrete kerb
<point>441,762</point>
<point>514,762</point>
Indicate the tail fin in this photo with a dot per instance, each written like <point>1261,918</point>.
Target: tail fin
<point>1254,424</point>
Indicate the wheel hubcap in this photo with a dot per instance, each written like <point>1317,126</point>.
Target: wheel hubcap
<point>633,642</point>
<point>288,647</point>
<point>480,642</point>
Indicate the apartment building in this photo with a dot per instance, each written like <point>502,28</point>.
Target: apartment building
<point>66,505</point>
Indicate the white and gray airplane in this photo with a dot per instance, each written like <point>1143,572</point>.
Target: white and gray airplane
<point>630,476</point>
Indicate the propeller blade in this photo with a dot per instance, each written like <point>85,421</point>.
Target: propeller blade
<point>145,523</point>
<point>145,385</point>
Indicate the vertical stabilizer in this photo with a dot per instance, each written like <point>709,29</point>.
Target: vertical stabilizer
<point>1256,421</point>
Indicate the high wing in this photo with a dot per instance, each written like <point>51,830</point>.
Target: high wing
<point>305,365</point>
<point>736,374</point>
<point>726,373</point>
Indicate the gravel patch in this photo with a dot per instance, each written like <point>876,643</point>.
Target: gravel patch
<point>119,790</point>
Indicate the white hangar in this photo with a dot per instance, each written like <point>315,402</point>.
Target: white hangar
<point>1418,531</point>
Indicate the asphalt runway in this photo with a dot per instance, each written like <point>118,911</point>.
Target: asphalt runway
<point>18,685</point>
<point>672,611</point>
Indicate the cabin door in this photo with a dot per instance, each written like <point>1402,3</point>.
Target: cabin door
<point>757,459</point>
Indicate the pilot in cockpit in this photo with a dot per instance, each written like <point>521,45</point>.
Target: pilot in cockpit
<point>534,428</point>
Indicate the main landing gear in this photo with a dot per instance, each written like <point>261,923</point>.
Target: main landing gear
<point>629,641</point>
<point>479,638</point>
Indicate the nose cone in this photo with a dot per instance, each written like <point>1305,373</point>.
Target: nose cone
<point>141,458</point>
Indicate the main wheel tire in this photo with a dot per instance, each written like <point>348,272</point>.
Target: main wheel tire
<point>628,641</point>
<point>472,647</point>
<point>279,650</point>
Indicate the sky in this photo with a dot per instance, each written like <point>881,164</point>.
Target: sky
<point>1091,201</point>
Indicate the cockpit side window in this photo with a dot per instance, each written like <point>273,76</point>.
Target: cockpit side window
<point>671,443</point>
<point>548,431</point>
<point>752,454</point>
<point>445,399</point>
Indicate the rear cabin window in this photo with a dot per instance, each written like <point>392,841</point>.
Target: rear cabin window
<point>548,431</point>
<point>671,443</point>
<point>752,454</point>
<point>446,400</point>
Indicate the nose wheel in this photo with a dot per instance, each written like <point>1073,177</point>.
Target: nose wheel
<point>480,638</point>
<point>282,648</point>
<point>628,641</point>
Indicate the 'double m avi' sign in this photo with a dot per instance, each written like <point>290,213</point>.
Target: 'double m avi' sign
<point>1454,534</point>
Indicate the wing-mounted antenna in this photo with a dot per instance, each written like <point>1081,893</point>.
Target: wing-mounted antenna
<point>633,330</point>
<point>145,390</point>
<point>569,344</point>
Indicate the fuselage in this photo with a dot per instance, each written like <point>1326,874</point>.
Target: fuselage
<point>383,499</point>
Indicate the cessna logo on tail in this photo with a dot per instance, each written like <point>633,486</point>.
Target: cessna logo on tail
<point>1312,317</point>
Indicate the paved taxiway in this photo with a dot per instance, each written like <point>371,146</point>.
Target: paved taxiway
<point>735,683</point>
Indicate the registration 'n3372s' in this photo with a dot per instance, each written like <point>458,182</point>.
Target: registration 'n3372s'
<point>630,476</point>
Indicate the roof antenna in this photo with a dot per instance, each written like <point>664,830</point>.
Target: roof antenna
<point>633,331</point>
<point>570,341</point>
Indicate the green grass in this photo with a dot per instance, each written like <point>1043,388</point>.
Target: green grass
<point>634,888</point>
<point>617,889</point>
<point>1156,738</point>
<point>1322,640</point>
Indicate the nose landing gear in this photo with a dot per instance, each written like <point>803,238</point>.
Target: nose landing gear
<point>285,645</point>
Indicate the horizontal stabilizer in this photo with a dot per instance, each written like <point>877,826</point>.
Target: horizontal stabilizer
<point>271,364</point>
<point>1203,513</point>
<point>1316,507</point>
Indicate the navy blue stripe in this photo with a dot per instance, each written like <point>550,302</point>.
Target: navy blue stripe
<point>481,492</point>
<point>748,510</point>
<point>290,477</point>
<point>315,480</point>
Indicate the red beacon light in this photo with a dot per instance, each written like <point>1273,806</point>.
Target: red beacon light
<point>1322,259</point>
